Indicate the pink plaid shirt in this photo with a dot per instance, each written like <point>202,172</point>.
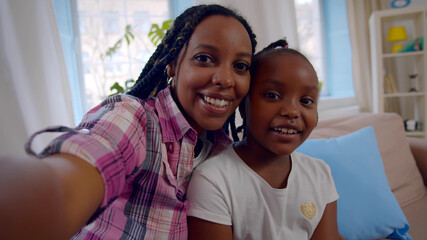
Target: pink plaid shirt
<point>144,151</point>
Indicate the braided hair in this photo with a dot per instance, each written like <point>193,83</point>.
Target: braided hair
<point>153,77</point>
<point>278,47</point>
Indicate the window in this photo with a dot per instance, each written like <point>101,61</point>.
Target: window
<point>102,24</point>
<point>82,25</point>
<point>324,39</point>
<point>140,24</point>
<point>110,22</point>
<point>67,28</point>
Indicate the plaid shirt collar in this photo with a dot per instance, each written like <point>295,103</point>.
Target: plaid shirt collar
<point>173,124</point>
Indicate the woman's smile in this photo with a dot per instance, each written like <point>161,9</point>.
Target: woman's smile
<point>211,74</point>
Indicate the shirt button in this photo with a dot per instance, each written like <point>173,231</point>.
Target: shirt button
<point>84,131</point>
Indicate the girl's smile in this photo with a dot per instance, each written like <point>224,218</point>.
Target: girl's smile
<point>281,108</point>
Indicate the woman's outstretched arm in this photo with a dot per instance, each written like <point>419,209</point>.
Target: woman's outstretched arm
<point>47,199</point>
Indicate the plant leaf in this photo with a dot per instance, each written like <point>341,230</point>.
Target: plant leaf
<point>131,34</point>
<point>116,86</point>
<point>127,39</point>
<point>128,28</point>
<point>166,25</point>
<point>129,81</point>
<point>157,34</point>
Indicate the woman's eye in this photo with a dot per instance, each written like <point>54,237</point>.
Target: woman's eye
<point>204,58</point>
<point>241,67</point>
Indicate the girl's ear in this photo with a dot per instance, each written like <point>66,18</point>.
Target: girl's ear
<point>170,69</point>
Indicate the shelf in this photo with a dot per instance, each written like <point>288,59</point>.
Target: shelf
<point>403,54</point>
<point>407,94</point>
<point>392,73</point>
<point>415,134</point>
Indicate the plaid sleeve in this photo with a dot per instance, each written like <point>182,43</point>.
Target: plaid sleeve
<point>112,138</point>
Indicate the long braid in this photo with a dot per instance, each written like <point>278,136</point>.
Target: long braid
<point>153,77</point>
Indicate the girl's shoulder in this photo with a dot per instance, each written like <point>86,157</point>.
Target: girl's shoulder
<point>310,165</point>
<point>221,162</point>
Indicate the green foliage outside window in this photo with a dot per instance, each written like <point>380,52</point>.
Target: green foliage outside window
<point>156,35</point>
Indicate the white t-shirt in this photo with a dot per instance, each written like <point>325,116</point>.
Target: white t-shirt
<point>224,190</point>
<point>204,151</point>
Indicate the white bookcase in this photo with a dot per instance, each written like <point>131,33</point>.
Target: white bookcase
<point>393,89</point>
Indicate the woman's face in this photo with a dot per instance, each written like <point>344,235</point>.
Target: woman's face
<point>211,75</point>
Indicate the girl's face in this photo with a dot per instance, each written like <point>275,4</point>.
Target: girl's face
<point>211,75</point>
<point>281,109</point>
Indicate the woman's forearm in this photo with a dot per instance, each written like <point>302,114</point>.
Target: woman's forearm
<point>47,199</point>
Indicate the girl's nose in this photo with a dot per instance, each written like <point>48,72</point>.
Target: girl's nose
<point>289,110</point>
<point>223,77</point>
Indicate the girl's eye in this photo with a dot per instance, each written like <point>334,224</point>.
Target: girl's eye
<point>204,58</point>
<point>272,95</point>
<point>307,101</point>
<point>241,67</point>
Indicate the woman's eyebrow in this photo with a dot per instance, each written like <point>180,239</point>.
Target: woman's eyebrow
<point>213,48</point>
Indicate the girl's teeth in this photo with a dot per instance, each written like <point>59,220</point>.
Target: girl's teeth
<point>285,130</point>
<point>216,102</point>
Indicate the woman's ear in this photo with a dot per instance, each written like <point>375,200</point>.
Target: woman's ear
<point>170,69</point>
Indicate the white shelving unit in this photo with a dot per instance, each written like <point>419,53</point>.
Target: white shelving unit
<point>391,83</point>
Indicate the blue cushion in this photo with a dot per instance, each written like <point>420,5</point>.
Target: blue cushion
<point>367,209</point>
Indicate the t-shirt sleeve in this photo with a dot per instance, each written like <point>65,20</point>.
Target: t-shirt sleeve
<point>331,190</point>
<point>113,141</point>
<point>206,199</point>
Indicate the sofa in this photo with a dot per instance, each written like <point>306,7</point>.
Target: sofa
<point>404,162</point>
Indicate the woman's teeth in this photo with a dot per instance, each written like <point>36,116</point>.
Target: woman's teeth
<point>216,102</point>
<point>285,130</point>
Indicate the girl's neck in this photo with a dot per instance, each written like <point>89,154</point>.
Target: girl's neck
<point>274,169</point>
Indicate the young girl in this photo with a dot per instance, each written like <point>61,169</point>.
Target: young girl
<point>124,170</point>
<point>259,188</point>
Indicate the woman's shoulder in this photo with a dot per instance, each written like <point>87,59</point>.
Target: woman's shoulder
<point>124,107</point>
<point>121,103</point>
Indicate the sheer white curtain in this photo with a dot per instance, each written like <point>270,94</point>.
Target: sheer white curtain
<point>34,91</point>
<point>270,20</point>
<point>358,13</point>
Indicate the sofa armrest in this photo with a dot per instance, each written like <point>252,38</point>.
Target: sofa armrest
<point>419,150</point>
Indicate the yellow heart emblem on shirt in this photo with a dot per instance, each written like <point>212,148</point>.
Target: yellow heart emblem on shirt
<point>309,210</point>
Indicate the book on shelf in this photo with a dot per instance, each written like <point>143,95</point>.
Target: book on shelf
<point>391,104</point>
<point>390,85</point>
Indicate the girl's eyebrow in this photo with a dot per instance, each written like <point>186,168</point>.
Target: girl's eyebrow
<point>213,48</point>
<point>277,83</point>
<point>272,81</point>
<point>312,88</point>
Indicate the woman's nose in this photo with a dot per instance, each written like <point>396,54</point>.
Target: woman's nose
<point>224,77</point>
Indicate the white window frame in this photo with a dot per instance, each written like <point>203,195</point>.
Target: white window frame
<point>330,106</point>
